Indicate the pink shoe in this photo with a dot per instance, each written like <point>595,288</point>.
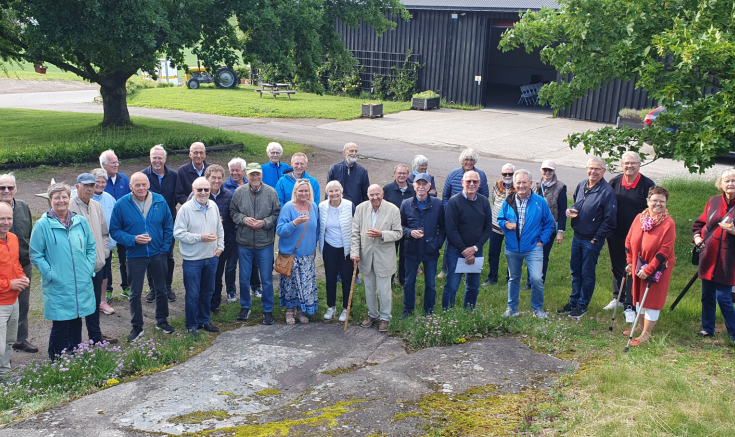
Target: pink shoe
<point>107,309</point>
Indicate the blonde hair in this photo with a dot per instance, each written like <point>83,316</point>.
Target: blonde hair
<point>300,182</point>
<point>723,175</point>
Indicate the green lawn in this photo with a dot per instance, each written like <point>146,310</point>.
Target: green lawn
<point>243,102</point>
<point>26,71</point>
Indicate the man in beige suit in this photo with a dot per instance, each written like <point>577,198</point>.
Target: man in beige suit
<point>375,227</point>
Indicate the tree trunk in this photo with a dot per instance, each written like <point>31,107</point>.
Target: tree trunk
<point>115,103</point>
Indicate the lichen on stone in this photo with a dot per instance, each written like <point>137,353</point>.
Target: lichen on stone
<point>198,417</point>
<point>268,392</point>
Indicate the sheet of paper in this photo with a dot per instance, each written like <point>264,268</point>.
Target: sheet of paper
<point>462,266</point>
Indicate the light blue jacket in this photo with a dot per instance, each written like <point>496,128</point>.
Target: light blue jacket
<point>289,234</point>
<point>66,262</point>
<point>284,187</point>
<point>538,226</point>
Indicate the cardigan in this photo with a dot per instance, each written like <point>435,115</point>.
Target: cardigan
<point>654,247</point>
<point>346,211</point>
<point>717,259</point>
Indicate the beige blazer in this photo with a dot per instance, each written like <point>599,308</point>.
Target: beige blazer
<point>372,251</point>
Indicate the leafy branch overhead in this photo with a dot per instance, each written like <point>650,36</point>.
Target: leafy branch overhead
<point>681,51</point>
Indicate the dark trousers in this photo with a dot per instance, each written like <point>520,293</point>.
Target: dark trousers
<point>65,334</point>
<point>401,262</point>
<point>493,255</point>
<point>93,320</point>
<point>136,273</point>
<point>226,264</point>
<point>714,293</point>
<point>169,272</point>
<point>122,258</point>
<point>336,263</point>
<point>199,286</point>
<point>409,289</point>
<point>582,264</point>
<point>107,273</point>
<point>24,299</point>
<point>255,283</point>
<point>618,261</point>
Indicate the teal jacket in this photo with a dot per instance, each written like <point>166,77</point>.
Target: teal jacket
<point>66,262</point>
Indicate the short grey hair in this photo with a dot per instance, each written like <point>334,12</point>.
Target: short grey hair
<point>726,173</point>
<point>348,145</point>
<point>11,175</point>
<point>631,154</point>
<point>103,157</point>
<point>508,164</point>
<point>522,171</point>
<point>238,160</point>
<point>197,143</point>
<point>419,160</point>
<point>160,147</point>
<point>300,155</point>
<point>334,184</point>
<point>99,173</point>
<point>57,188</point>
<point>468,154</point>
<point>272,146</point>
<point>597,159</point>
<point>395,169</point>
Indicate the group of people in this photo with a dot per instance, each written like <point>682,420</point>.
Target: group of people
<point>224,218</point>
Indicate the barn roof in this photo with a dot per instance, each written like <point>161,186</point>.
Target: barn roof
<point>480,5</point>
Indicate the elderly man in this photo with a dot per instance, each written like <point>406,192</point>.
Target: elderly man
<point>142,222</point>
<point>396,192</point>
<point>631,192</point>
<point>201,237</point>
<point>163,181</point>
<point>190,171</point>
<point>500,191</point>
<point>469,223</point>
<point>118,186</point>
<point>108,204</point>
<point>422,219</point>
<point>237,167</point>
<point>352,176</point>
<point>255,209</point>
<point>22,224</point>
<point>274,169</point>
<point>12,281</point>
<point>83,204</point>
<point>285,185</point>
<point>227,262</point>
<point>526,218</point>
<point>594,217</point>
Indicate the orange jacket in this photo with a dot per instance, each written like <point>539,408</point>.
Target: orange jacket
<point>9,269</point>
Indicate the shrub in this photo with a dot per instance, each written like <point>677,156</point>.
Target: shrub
<point>429,94</point>
<point>635,114</point>
<point>136,83</point>
<point>452,327</point>
<point>243,72</point>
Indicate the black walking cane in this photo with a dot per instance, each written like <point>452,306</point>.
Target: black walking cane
<point>617,299</point>
<point>684,291</point>
<point>638,314</point>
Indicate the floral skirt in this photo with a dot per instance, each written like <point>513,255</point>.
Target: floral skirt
<point>299,289</point>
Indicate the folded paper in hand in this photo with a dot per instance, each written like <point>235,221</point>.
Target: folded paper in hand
<point>463,267</point>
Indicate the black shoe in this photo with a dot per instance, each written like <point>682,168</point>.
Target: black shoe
<point>150,297</point>
<point>193,331</point>
<point>171,296</point>
<point>268,319</point>
<point>135,333</point>
<point>527,287</point>
<point>244,314</point>
<point>216,311</point>
<point>567,308</point>
<point>209,327</point>
<point>406,314</point>
<point>165,327</point>
<point>24,346</point>
<point>578,312</point>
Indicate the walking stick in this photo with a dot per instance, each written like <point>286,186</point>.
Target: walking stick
<point>637,315</point>
<point>684,291</point>
<point>617,299</point>
<point>349,302</point>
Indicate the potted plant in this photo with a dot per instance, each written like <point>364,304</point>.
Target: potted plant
<point>40,69</point>
<point>426,100</point>
<point>372,109</point>
<point>633,118</point>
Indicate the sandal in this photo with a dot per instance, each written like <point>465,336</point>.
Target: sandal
<point>640,340</point>
<point>290,320</point>
<point>637,329</point>
<point>301,316</point>
<point>704,333</point>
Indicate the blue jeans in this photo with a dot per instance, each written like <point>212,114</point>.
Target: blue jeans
<point>472,287</point>
<point>711,292</point>
<point>227,264</point>
<point>409,288</point>
<point>264,259</point>
<point>493,254</point>
<point>199,286</point>
<point>535,264</point>
<point>582,265</point>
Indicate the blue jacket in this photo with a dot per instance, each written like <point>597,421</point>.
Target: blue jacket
<point>284,187</point>
<point>223,200</point>
<point>453,184</point>
<point>230,185</point>
<point>537,227</point>
<point>354,180</point>
<point>127,222</point>
<point>120,188</point>
<point>289,234</point>
<point>272,173</point>
<point>597,211</point>
<point>187,174</point>
<point>66,262</point>
<point>165,187</point>
<point>431,218</point>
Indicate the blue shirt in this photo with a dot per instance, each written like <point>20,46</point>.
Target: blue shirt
<point>120,188</point>
<point>421,204</point>
<point>203,208</point>
<point>465,196</point>
<point>289,234</point>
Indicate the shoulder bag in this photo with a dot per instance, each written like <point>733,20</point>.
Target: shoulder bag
<point>284,263</point>
<point>697,249</point>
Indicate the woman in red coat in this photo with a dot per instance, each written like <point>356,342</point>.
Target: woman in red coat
<point>651,237</point>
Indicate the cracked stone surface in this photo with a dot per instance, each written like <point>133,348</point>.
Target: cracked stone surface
<point>291,359</point>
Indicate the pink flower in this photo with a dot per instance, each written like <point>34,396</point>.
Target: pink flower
<point>646,224</point>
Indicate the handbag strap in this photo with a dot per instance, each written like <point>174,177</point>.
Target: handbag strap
<point>304,231</point>
<point>705,226</point>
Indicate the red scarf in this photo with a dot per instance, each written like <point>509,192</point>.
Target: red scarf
<point>650,220</point>
<point>633,184</point>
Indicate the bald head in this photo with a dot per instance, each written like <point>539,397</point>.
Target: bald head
<point>6,218</point>
<point>139,185</point>
<point>375,195</point>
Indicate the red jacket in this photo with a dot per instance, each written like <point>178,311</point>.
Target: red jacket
<point>717,260</point>
<point>652,246</point>
<point>9,269</point>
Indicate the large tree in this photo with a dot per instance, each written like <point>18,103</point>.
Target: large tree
<point>681,51</point>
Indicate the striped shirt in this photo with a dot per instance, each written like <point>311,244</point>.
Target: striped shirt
<point>521,206</point>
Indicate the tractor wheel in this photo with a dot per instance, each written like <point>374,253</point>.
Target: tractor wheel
<point>192,84</point>
<point>226,78</point>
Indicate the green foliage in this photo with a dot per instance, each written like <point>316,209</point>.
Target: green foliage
<point>380,86</point>
<point>404,81</point>
<point>635,114</point>
<point>463,106</point>
<point>243,72</point>
<point>426,95</point>
<point>136,83</point>
<point>676,50</point>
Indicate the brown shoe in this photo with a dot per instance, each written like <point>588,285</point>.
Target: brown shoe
<point>24,346</point>
<point>111,340</point>
<point>216,311</point>
<point>368,322</point>
<point>383,326</point>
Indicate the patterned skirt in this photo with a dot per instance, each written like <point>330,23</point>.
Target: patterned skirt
<point>299,289</point>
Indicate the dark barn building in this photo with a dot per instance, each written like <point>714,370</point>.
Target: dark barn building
<point>457,41</point>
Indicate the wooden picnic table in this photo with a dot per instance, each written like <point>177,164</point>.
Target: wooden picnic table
<point>275,89</point>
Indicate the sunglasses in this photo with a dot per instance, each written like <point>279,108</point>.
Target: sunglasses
<point>472,182</point>
<point>507,174</point>
<point>200,190</point>
<point>9,188</point>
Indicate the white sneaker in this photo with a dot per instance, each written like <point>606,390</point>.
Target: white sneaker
<point>330,313</point>
<point>629,315</point>
<point>611,305</point>
<point>441,275</point>
<point>231,298</point>
<point>540,314</point>
<point>343,316</point>
<point>510,313</point>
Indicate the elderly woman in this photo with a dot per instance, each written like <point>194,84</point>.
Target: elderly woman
<point>650,244</point>
<point>419,165</point>
<point>555,193</point>
<point>63,250</point>
<point>298,232</point>
<point>714,233</point>
<point>274,169</point>
<point>335,225</point>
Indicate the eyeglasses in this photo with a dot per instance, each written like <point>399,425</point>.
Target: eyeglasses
<point>657,201</point>
<point>198,152</point>
<point>113,163</point>
<point>472,182</point>
<point>507,174</point>
<point>9,188</point>
<point>595,168</point>
<point>547,170</point>
<point>200,190</point>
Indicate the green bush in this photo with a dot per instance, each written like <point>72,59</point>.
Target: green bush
<point>429,94</point>
<point>635,114</point>
<point>136,83</point>
<point>243,72</point>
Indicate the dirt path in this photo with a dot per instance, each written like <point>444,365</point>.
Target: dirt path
<point>15,86</point>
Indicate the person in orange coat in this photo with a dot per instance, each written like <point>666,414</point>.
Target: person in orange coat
<point>651,237</point>
<point>12,282</point>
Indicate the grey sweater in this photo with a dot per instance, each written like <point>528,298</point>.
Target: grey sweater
<point>261,205</point>
<point>191,223</point>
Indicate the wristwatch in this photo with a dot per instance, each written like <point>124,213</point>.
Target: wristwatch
<point>476,249</point>
<point>594,241</point>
